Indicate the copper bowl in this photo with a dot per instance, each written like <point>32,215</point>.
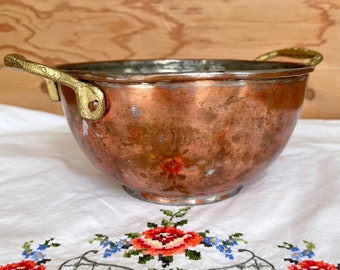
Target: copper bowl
<point>180,132</point>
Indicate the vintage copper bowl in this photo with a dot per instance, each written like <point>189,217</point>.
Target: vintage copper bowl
<point>180,132</point>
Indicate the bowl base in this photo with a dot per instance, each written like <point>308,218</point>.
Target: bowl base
<point>188,200</point>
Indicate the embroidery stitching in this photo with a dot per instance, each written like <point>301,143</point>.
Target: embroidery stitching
<point>164,242</point>
<point>34,258</point>
<point>298,258</point>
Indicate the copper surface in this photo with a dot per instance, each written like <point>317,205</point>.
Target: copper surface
<point>183,142</point>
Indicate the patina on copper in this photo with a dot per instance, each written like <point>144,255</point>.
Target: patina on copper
<point>186,131</point>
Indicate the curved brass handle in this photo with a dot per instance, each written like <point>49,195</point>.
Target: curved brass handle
<point>300,53</point>
<point>90,99</point>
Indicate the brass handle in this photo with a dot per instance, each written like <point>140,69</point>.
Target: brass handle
<point>300,53</point>
<point>90,99</point>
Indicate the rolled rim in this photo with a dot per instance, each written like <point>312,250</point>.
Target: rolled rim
<point>183,70</point>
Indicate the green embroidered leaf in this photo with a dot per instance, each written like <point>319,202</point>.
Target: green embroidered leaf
<point>309,245</point>
<point>185,209</point>
<point>49,243</point>
<point>167,212</point>
<point>181,223</point>
<point>98,237</point>
<point>286,246</point>
<point>133,235</point>
<point>238,237</point>
<point>166,223</point>
<point>27,245</point>
<point>291,261</point>
<point>144,259</point>
<point>44,261</point>
<point>166,260</point>
<point>204,234</point>
<point>181,212</point>
<point>133,252</point>
<point>152,225</point>
<point>193,254</point>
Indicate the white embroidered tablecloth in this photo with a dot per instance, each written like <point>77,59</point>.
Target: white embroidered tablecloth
<point>54,201</point>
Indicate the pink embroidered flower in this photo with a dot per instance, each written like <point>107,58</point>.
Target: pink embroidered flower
<point>23,265</point>
<point>312,265</point>
<point>165,241</point>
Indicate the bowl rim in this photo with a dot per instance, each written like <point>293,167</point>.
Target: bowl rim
<point>113,71</point>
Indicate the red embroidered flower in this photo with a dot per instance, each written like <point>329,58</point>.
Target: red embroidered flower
<point>165,241</point>
<point>23,265</point>
<point>312,265</point>
<point>172,165</point>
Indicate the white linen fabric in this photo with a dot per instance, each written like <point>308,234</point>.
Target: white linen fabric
<point>48,189</point>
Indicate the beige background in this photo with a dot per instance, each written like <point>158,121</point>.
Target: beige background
<point>60,31</point>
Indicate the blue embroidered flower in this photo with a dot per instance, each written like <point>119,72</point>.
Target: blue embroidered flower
<point>229,256</point>
<point>105,242</point>
<point>114,246</point>
<point>37,256</point>
<point>223,248</point>
<point>231,242</point>
<point>42,247</point>
<point>33,255</point>
<point>212,241</point>
<point>296,253</point>
<point>224,245</point>
<point>226,250</point>
<point>27,253</point>
<point>308,253</point>
<point>123,243</point>
<point>108,252</point>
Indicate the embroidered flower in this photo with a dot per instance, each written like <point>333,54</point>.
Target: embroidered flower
<point>38,256</point>
<point>312,265</point>
<point>34,255</point>
<point>27,253</point>
<point>23,265</point>
<point>226,251</point>
<point>297,258</point>
<point>165,241</point>
<point>114,246</point>
<point>308,253</point>
<point>224,245</point>
<point>105,242</point>
<point>42,247</point>
<point>296,253</point>
<point>231,242</point>
<point>212,241</point>
<point>109,251</point>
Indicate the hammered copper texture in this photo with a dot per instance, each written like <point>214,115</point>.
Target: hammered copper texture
<point>188,138</point>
